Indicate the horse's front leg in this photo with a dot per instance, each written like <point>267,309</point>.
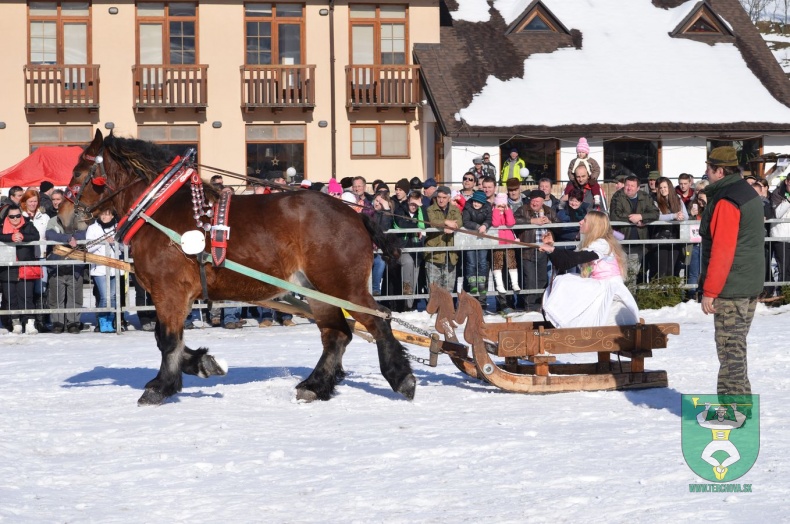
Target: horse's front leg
<point>168,381</point>
<point>176,359</point>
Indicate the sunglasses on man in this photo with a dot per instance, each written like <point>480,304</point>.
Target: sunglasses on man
<point>12,217</point>
<point>468,179</point>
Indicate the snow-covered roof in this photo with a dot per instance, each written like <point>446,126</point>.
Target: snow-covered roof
<point>627,70</point>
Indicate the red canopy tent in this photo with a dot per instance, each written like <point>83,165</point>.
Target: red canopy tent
<point>46,163</point>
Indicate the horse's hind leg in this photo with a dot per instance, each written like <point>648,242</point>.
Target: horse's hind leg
<point>176,357</point>
<point>335,336</point>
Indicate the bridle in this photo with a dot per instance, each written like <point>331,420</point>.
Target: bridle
<point>91,178</point>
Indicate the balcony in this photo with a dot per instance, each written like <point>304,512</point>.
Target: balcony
<point>61,87</point>
<point>383,87</point>
<point>170,87</point>
<point>278,87</point>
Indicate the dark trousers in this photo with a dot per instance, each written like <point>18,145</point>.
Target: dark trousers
<point>20,296</point>
<point>536,276</point>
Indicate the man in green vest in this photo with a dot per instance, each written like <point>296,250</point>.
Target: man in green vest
<point>733,255</point>
<point>512,167</point>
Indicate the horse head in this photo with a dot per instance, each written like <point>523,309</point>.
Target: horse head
<point>113,171</point>
<point>85,188</point>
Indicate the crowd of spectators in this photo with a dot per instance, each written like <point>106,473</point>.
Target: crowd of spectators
<point>488,198</point>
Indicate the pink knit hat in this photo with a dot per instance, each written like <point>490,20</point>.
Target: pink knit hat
<point>582,146</point>
<point>500,199</point>
<point>334,186</point>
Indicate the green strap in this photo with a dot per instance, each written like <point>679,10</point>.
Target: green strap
<point>269,279</point>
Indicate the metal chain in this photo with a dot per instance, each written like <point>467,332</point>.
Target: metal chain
<point>414,328</point>
<point>420,331</point>
<point>419,360</point>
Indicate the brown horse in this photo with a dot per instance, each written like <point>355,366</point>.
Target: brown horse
<point>303,237</point>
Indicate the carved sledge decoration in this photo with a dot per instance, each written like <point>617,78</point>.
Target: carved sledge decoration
<point>539,342</point>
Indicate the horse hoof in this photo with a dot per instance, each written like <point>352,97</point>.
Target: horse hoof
<point>407,387</point>
<point>151,397</point>
<point>210,366</point>
<point>305,395</point>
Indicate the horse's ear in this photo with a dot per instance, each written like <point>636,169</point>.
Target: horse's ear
<point>97,142</point>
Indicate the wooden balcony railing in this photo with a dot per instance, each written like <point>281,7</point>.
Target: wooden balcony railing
<point>170,86</point>
<point>61,87</point>
<point>278,87</point>
<point>383,86</point>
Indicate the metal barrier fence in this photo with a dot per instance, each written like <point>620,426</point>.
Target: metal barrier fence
<point>653,255</point>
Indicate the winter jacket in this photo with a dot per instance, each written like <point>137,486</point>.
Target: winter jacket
<point>523,216</point>
<point>23,253</point>
<point>782,229</point>
<point>94,231</point>
<point>568,214</point>
<point>437,216</point>
<point>40,220</point>
<point>504,220</point>
<point>512,169</point>
<point>474,218</point>
<point>593,168</point>
<point>733,245</point>
<point>405,220</point>
<point>620,209</point>
<point>56,232</point>
<point>590,189</point>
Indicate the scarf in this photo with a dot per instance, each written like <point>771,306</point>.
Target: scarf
<point>9,229</point>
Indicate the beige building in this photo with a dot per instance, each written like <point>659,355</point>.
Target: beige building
<point>250,84</point>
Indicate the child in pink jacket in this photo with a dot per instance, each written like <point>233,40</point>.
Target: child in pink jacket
<point>502,217</point>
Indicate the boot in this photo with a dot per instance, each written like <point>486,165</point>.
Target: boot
<point>30,328</point>
<point>459,284</point>
<point>482,285</point>
<point>500,286</point>
<point>513,273</point>
<point>17,326</point>
<point>472,285</point>
<point>482,288</point>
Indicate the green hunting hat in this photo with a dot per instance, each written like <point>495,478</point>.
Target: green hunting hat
<point>723,156</point>
<point>654,175</point>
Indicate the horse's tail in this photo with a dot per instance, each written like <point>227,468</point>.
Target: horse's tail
<point>388,244</point>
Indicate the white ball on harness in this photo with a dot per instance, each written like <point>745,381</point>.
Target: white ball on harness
<point>193,242</point>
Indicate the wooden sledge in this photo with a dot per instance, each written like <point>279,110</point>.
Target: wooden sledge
<point>529,349</point>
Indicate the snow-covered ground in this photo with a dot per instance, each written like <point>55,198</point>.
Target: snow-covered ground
<point>74,446</point>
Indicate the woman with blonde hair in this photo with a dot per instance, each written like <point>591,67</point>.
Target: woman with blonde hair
<point>598,296</point>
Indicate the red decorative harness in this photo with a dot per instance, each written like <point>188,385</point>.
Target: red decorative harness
<point>162,188</point>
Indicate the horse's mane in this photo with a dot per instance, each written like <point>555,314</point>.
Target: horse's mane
<point>145,159</point>
<point>141,157</point>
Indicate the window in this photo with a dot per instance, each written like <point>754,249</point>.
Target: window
<point>540,156</point>
<point>746,148</point>
<point>702,21</point>
<point>167,33</point>
<point>275,148</point>
<point>274,33</point>
<point>379,141</point>
<point>378,34</point>
<point>638,156</point>
<point>60,136</point>
<point>60,35</point>
<point>536,18</point>
<point>59,32</point>
<point>176,139</point>
<point>536,24</point>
